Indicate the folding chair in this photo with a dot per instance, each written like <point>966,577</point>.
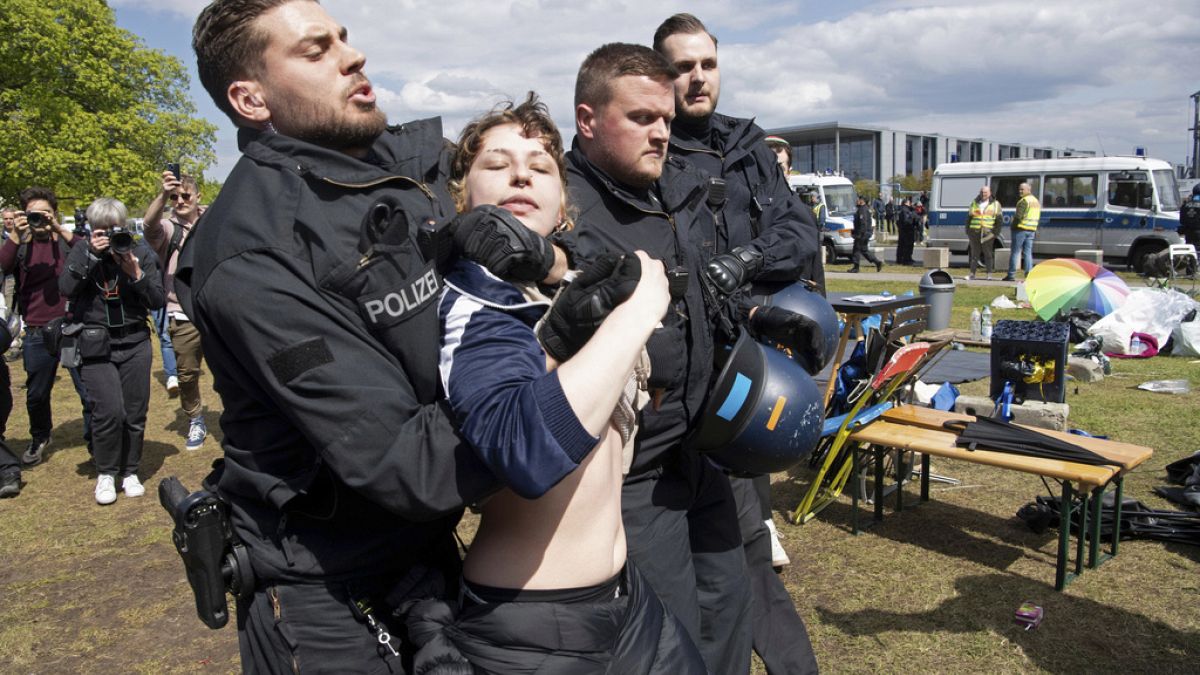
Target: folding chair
<point>835,470</point>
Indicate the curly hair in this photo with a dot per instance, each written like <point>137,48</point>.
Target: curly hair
<point>532,116</point>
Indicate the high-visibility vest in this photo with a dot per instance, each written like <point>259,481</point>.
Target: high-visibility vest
<point>1033,213</point>
<point>817,209</point>
<point>983,217</point>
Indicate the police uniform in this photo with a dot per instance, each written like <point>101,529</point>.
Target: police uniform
<point>344,474</point>
<point>761,211</point>
<point>679,514</point>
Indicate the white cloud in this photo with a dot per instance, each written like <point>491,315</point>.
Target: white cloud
<point>1053,72</point>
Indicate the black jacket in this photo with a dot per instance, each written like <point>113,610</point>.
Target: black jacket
<point>760,210</point>
<point>81,281</point>
<point>862,223</point>
<point>322,336</point>
<point>669,222</point>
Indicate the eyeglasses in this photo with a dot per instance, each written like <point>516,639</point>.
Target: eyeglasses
<point>182,196</point>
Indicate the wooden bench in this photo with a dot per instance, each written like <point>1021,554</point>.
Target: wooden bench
<point>920,430</point>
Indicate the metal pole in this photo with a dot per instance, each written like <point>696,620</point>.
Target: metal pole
<point>1195,135</point>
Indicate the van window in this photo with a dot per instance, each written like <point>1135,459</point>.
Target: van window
<point>957,193</point>
<point>1130,190</point>
<point>1006,189</point>
<point>1070,191</point>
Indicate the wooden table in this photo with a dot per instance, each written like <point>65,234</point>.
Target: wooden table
<point>920,430</point>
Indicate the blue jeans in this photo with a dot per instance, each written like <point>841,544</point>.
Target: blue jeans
<point>1022,246</point>
<point>164,343</point>
<point>41,369</point>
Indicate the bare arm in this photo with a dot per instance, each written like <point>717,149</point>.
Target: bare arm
<point>152,221</point>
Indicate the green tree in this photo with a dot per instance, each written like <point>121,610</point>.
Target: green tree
<point>866,188</point>
<point>87,109</point>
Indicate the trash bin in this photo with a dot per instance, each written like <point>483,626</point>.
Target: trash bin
<point>937,287</point>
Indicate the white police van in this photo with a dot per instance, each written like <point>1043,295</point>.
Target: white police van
<point>1127,207</point>
<point>837,193</point>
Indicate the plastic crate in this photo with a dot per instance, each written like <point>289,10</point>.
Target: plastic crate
<point>1021,346</point>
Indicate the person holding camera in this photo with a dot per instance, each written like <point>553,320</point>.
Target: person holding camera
<point>166,235</point>
<point>36,255</point>
<point>113,284</point>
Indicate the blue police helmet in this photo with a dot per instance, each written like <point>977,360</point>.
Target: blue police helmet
<point>763,415</point>
<point>802,299</point>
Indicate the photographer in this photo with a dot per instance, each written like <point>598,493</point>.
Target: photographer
<point>113,284</point>
<point>36,255</point>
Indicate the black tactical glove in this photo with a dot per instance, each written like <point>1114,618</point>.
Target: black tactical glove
<point>494,238</point>
<point>794,331</point>
<point>730,271</point>
<point>583,305</point>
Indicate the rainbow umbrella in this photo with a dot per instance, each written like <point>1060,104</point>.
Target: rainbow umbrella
<point>1061,284</point>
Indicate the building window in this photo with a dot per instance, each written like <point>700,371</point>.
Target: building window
<point>1039,153</point>
<point>908,156</point>
<point>1009,152</point>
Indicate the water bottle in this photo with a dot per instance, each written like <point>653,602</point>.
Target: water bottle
<point>985,327</point>
<point>1136,346</point>
<point>976,324</point>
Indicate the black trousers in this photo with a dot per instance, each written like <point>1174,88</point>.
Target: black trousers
<point>862,249</point>
<point>311,628</point>
<point>119,393</point>
<point>7,459</point>
<point>904,245</point>
<point>779,636</point>
<point>682,532</point>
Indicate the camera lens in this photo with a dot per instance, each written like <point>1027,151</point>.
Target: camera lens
<point>121,242</point>
<point>35,218</point>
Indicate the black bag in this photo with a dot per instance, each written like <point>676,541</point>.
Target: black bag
<point>93,343</point>
<point>52,334</point>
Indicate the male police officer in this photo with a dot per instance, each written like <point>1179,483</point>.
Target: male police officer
<point>981,222</point>
<point>764,234</point>
<point>679,513</point>
<point>345,477</point>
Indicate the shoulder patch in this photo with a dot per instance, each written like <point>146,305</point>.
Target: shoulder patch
<point>292,362</point>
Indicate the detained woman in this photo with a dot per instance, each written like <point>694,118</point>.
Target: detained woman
<point>113,284</point>
<point>547,587</point>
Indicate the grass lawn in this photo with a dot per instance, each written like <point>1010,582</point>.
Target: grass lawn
<point>96,589</point>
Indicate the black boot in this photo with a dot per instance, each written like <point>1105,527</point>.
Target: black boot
<point>853,270</point>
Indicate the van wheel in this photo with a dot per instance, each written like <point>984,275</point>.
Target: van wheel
<point>1137,258</point>
<point>830,252</point>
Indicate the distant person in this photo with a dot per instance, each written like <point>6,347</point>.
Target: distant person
<point>862,237</point>
<point>783,152</point>
<point>981,235</point>
<point>113,285</point>
<point>889,215</point>
<point>906,230</point>
<point>1024,227</point>
<point>877,211</point>
<point>10,466</point>
<point>1189,218</point>
<point>36,256</point>
<point>167,236</point>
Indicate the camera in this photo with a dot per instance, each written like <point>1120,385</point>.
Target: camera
<point>120,240</point>
<point>81,227</point>
<point>36,219</point>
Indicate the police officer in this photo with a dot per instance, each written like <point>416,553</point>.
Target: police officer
<point>344,475</point>
<point>1189,218</point>
<point>981,223</point>
<point>678,510</point>
<point>765,234</point>
<point>1024,229</point>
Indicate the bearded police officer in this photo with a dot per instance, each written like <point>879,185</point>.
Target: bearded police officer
<point>344,475</point>
<point>765,236</point>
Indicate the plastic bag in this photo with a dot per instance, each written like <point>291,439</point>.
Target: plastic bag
<point>1166,386</point>
<point>1187,337</point>
<point>1151,311</point>
<point>1002,302</point>
<point>1080,320</point>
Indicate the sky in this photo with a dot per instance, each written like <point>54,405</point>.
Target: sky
<point>1105,75</point>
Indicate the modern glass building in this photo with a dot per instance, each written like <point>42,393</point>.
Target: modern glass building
<point>861,151</point>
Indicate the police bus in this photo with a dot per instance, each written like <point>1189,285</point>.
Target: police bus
<point>1127,207</point>
<point>838,196</point>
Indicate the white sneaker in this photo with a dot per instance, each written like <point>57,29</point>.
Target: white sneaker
<point>172,386</point>
<point>106,491</point>
<point>779,557</point>
<point>196,434</point>
<point>132,487</point>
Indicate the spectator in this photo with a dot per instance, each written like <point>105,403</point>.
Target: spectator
<point>36,256</point>
<point>166,236</point>
<point>889,215</point>
<point>783,152</point>
<point>10,468</point>
<point>113,284</point>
